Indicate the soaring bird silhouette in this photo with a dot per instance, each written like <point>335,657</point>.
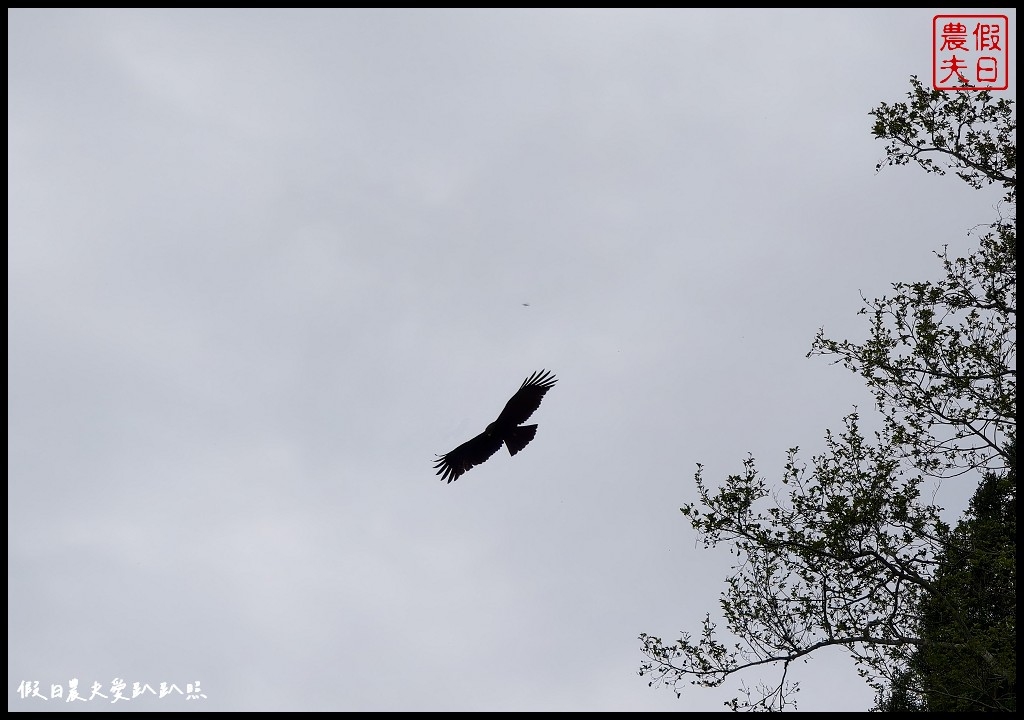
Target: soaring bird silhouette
<point>507,429</point>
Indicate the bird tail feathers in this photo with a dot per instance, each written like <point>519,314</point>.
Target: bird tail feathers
<point>519,437</point>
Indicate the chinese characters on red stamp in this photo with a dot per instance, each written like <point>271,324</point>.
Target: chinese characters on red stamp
<point>970,52</point>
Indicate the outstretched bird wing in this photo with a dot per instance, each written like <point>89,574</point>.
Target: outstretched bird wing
<point>526,400</point>
<point>467,455</point>
<point>506,429</point>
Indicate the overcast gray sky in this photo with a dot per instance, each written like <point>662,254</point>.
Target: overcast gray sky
<point>264,265</point>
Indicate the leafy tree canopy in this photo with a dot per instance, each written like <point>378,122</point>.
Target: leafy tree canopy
<point>850,551</point>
